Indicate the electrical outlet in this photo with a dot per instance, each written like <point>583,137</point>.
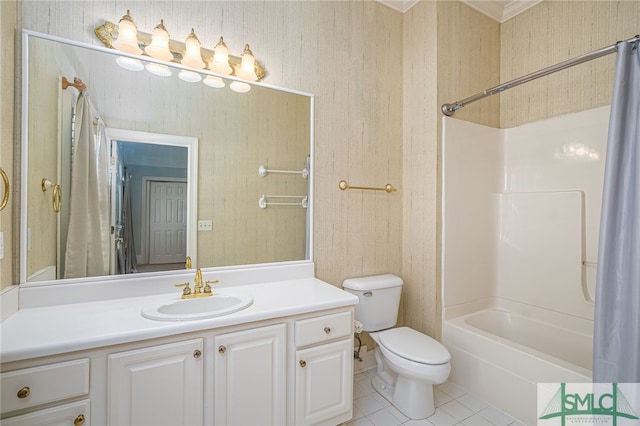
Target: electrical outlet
<point>205,225</point>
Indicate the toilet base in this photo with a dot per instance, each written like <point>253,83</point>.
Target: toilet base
<point>412,398</point>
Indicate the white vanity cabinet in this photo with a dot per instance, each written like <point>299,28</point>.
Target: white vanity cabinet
<point>50,386</point>
<point>157,385</point>
<point>250,376</point>
<point>324,369</point>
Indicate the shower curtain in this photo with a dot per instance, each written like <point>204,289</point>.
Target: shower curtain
<point>617,311</point>
<point>127,262</point>
<point>87,251</point>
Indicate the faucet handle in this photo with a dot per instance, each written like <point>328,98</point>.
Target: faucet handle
<point>186,291</point>
<point>187,264</point>
<point>207,287</point>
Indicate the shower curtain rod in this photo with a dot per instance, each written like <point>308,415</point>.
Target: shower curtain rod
<point>449,109</point>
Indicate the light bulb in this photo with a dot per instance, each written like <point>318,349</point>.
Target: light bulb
<point>189,76</point>
<point>247,67</point>
<point>192,57</point>
<point>159,47</point>
<point>212,81</point>
<point>220,63</point>
<point>240,87</point>
<point>127,40</point>
<point>158,69</point>
<point>130,64</point>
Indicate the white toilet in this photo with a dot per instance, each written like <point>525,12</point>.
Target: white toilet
<point>409,362</point>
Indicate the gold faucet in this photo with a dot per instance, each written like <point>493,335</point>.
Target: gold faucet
<point>199,289</point>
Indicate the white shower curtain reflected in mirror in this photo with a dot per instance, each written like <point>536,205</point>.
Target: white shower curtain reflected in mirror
<point>87,251</point>
<point>617,314</point>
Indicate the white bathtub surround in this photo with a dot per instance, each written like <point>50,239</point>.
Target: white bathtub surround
<point>521,213</point>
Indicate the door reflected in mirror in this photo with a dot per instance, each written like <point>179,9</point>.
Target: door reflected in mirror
<point>233,135</point>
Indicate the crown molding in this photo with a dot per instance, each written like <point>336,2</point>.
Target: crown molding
<point>501,10</point>
<point>498,10</point>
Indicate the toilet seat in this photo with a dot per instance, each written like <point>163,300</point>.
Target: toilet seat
<point>414,346</point>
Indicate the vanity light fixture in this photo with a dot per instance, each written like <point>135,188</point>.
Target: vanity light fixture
<point>127,40</point>
<point>239,87</point>
<point>130,64</point>
<point>220,63</point>
<point>189,76</point>
<point>158,69</point>
<point>192,57</point>
<point>159,47</point>
<point>190,54</point>
<point>215,82</point>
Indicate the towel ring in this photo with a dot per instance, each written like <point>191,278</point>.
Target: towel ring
<point>5,197</point>
<point>56,198</point>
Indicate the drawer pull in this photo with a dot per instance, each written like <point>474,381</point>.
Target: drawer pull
<point>303,363</point>
<point>24,392</point>
<point>327,330</point>
<point>222,349</point>
<point>79,420</point>
<point>197,353</point>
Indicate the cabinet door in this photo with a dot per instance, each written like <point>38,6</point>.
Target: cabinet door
<point>250,378</point>
<point>324,383</point>
<point>158,385</point>
<point>74,414</point>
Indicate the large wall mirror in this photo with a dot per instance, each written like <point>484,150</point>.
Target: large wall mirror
<point>183,169</point>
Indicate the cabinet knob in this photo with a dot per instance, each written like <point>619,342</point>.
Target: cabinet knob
<point>303,363</point>
<point>24,392</point>
<point>327,330</point>
<point>222,349</point>
<point>197,353</point>
<point>78,421</point>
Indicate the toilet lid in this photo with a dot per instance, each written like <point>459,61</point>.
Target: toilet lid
<point>415,346</point>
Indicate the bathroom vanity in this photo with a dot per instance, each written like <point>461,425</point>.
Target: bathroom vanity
<point>71,357</point>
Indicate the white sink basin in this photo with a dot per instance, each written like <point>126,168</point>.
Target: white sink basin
<point>195,309</point>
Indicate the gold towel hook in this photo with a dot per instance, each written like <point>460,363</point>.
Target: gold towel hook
<point>5,197</point>
<point>343,185</point>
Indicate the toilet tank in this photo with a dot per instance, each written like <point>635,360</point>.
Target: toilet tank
<point>379,300</point>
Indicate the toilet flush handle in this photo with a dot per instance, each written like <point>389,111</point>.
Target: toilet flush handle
<point>367,293</point>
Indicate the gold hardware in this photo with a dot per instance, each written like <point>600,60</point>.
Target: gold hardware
<point>5,197</point>
<point>327,330</point>
<point>387,188</point>
<point>78,421</point>
<point>197,353</point>
<point>222,349</point>
<point>77,83</point>
<point>106,31</point>
<point>56,199</point>
<point>24,392</point>
<point>199,289</point>
<point>186,292</point>
<point>303,363</point>
<point>187,264</point>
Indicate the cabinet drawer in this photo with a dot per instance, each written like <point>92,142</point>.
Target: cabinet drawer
<point>324,328</point>
<point>74,414</point>
<point>44,384</point>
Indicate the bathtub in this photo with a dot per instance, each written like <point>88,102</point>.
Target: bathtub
<point>500,350</point>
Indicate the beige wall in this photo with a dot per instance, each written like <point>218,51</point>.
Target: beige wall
<point>552,32</point>
<point>8,11</point>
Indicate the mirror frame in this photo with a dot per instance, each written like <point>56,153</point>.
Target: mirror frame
<point>26,34</point>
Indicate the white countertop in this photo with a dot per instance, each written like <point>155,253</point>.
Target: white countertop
<point>51,330</point>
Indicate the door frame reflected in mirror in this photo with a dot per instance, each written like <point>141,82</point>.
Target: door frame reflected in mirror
<point>188,142</point>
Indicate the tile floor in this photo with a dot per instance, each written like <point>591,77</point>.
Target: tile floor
<point>454,406</point>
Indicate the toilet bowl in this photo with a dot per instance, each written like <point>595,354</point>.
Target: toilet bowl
<point>407,371</point>
<point>409,363</point>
